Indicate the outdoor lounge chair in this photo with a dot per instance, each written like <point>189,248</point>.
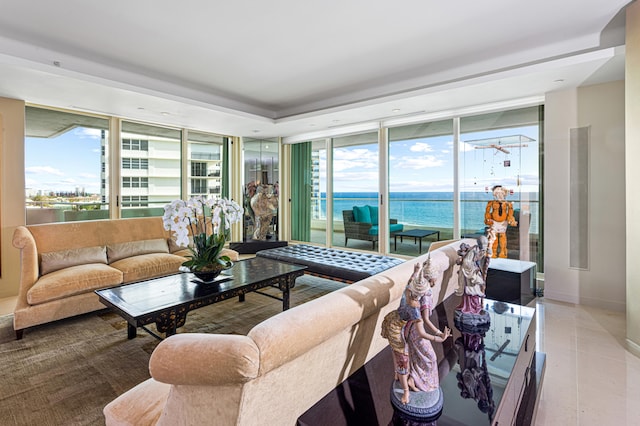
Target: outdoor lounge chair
<point>361,223</point>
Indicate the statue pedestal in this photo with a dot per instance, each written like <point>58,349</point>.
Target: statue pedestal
<point>423,407</point>
<point>254,246</point>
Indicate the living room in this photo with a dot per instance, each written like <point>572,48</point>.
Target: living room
<point>599,105</point>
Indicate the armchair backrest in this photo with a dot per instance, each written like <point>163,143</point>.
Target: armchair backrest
<point>347,216</point>
<point>366,214</point>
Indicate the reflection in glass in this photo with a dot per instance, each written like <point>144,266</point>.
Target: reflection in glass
<point>260,195</point>
<point>473,379</point>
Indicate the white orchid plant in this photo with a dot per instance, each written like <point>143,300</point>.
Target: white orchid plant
<point>209,221</point>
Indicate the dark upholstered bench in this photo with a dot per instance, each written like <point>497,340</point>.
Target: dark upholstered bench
<point>340,265</point>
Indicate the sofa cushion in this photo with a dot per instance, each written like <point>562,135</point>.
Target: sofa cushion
<point>147,266</point>
<point>173,247</point>
<point>373,211</point>
<point>362,214</point>
<point>71,281</point>
<point>393,227</point>
<point>56,260</point>
<point>119,251</point>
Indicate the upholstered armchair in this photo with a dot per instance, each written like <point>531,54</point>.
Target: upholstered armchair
<point>361,223</point>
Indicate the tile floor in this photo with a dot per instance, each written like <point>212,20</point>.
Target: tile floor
<point>590,379</point>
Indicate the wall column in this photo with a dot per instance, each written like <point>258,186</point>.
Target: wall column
<point>632,174</point>
<point>12,191</point>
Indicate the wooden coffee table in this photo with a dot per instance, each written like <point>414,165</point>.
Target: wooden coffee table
<point>166,301</point>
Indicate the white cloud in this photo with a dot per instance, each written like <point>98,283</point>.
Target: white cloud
<point>44,170</point>
<point>419,162</point>
<point>85,133</point>
<point>464,147</point>
<point>346,159</point>
<point>88,175</point>
<point>421,147</point>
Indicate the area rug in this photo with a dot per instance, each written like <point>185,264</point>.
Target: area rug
<point>64,373</point>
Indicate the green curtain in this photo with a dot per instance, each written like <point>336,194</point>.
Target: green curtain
<point>301,191</point>
<point>226,149</point>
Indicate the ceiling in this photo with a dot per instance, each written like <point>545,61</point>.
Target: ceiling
<point>299,68</point>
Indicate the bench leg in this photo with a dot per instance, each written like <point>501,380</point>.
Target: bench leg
<point>19,334</point>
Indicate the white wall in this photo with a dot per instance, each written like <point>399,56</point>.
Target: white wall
<point>601,107</point>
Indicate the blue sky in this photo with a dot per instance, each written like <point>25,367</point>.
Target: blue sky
<point>63,163</point>
<point>73,160</point>
<point>426,165</point>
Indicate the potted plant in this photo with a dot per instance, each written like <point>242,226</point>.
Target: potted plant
<point>208,221</point>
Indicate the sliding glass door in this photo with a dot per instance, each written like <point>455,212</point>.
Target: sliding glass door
<point>420,186</point>
<point>355,193</point>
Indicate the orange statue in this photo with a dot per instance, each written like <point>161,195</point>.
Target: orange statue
<point>499,215</point>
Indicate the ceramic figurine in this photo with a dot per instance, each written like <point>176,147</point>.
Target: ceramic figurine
<point>472,275</point>
<point>416,389</point>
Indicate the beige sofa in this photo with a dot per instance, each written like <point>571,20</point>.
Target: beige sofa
<point>282,367</point>
<point>63,263</point>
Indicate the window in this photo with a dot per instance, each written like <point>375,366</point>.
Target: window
<point>135,163</point>
<point>151,167</point>
<point>355,184</point>
<point>135,201</point>
<point>199,186</point>
<point>135,182</point>
<point>421,182</point>
<point>502,148</point>
<point>198,168</point>
<point>135,144</point>
<point>57,189</point>
<point>206,157</point>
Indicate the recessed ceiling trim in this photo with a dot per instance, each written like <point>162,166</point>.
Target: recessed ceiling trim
<point>337,131</point>
<point>475,109</point>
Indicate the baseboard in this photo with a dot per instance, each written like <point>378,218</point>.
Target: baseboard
<point>560,297</point>
<point>608,305</point>
<point>633,347</point>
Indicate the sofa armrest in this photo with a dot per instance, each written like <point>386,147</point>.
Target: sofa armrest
<point>29,270</point>
<point>205,359</point>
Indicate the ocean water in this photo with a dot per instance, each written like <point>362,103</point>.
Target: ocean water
<point>429,209</point>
